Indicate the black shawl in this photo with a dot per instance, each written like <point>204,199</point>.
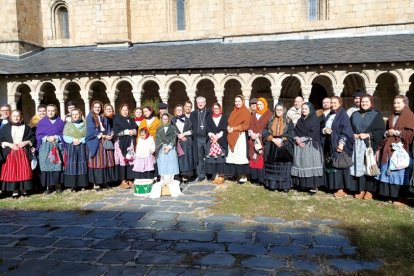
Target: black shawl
<point>288,132</point>
<point>187,126</point>
<point>222,126</point>
<point>120,125</point>
<point>163,137</point>
<point>369,121</point>
<point>6,136</point>
<point>341,129</point>
<point>309,127</point>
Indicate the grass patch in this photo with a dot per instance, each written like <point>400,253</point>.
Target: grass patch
<point>55,202</point>
<point>380,230</point>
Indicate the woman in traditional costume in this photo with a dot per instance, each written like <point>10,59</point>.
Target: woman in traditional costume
<point>167,160</point>
<point>16,138</point>
<point>338,139</point>
<point>307,168</point>
<point>75,175</point>
<point>50,144</point>
<point>369,128</point>
<point>138,116</point>
<point>125,131</point>
<point>216,125</point>
<point>258,122</point>
<point>394,183</point>
<point>185,142</point>
<point>151,122</point>
<point>237,162</point>
<point>100,148</point>
<point>278,151</point>
<point>144,156</point>
<point>109,113</point>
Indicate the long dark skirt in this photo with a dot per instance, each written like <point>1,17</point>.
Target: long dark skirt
<point>101,177</point>
<point>215,166</point>
<point>339,179</point>
<point>312,182</point>
<point>22,186</point>
<point>144,175</point>
<point>277,176</point>
<point>235,170</point>
<point>392,190</point>
<point>76,181</point>
<point>124,172</point>
<point>364,183</point>
<point>51,179</point>
<point>257,175</point>
<point>186,162</point>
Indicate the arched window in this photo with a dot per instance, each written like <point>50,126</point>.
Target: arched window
<point>180,11</point>
<point>317,10</point>
<point>62,22</point>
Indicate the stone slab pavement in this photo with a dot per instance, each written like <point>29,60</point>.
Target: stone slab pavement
<point>128,235</point>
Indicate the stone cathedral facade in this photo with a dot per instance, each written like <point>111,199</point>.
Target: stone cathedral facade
<point>130,51</point>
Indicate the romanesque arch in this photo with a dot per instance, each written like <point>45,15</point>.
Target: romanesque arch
<point>25,103</point>
<point>47,95</point>
<point>352,82</point>
<point>177,95</point>
<point>321,88</point>
<point>71,92</point>
<point>150,92</point>
<point>205,88</point>
<point>261,89</point>
<point>97,90</point>
<point>385,93</point>
<point>123,93</point>
<point>291,88</point>
<point>232,88</point>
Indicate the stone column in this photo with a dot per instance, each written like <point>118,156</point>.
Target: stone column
<point>370,88</point>
<point>220,95</point>
<point>111,96</point>
<point>85,98</point>
<point>276,91</point>
<point>306,91</point>
<point>403,88</point>
<point>338,89</point>
<point>164,95</point>
<point>191,93</point>
<point>137,96</point>
<point>246,91</point>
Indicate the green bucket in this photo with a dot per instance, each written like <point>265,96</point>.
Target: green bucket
<point>142,187</point>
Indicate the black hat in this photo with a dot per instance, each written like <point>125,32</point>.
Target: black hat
<point>358,93</point>
<point>252,101</point>
<point>163,106</point>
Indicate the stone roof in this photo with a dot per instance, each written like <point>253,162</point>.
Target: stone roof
<point>173,56</point>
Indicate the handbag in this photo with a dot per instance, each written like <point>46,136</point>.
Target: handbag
<point>180,151</point>
<point>371,167</point>
<point>258,147</point>
<point>108,145</point>
<point>215,150</point>
<point>342,161</point>
<point>130,155</point>
<point>54,156</point>
<point>165,191</point>
<point>400,159</point>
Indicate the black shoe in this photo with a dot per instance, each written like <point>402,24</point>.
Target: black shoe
<point>73,190</point>
<point>200,179</point>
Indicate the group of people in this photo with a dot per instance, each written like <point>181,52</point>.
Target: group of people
<point>300,148</point>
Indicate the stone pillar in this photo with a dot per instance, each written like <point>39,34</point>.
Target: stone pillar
<point>164,95</point>
<point>137,96</point>
<point>220,95</point>
<point>338,89</point>
<point>306,91</point>
<point>403,88</point>
<point>85,98</point>
<point>370,88</point>
<point>191,93</point>
<point>246,91</point>
<point>111,97</point>
<point>276,91</point>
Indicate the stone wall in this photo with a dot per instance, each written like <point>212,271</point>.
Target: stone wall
<point>140,21</point>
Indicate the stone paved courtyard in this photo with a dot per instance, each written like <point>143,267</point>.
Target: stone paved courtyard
<point>127,235</point>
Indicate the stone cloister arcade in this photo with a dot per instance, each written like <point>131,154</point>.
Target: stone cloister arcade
<point>221,85</point>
